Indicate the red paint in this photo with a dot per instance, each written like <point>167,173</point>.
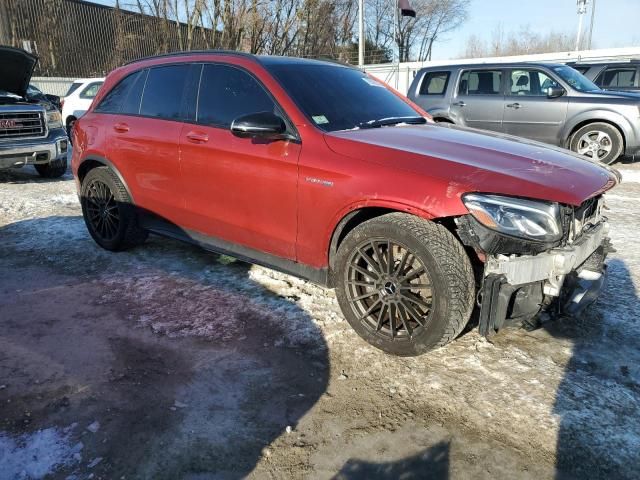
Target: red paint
<point>286,198</point>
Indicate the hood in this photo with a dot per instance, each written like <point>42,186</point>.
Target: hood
<point>17,68</point>
<point>469,160</point>
<point>616,94</point>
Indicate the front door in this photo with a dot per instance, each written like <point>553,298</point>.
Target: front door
<point>528,111</point>
<point>478,100</point>
<point>239,190</point>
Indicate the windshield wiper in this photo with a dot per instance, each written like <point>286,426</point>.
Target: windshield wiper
<point>388,121</point>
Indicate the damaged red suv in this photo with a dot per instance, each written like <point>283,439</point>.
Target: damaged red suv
<point>320,171</point>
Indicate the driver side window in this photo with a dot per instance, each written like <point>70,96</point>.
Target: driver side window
<point>226,93</point>
<point>530,83</point>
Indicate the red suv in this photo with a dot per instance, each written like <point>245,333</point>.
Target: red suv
<point>320,171</point>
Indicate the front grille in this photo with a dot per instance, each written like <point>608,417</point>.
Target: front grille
<point>589,213</point>
<point>21,125</point>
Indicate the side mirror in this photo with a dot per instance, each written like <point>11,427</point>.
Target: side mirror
<point>266,125</point>
<point>555,92</point>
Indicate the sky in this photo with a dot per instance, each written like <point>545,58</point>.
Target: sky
<point>616,22</point>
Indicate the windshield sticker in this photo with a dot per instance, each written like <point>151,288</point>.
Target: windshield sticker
<point>320,119</point>
<point>373,83</point>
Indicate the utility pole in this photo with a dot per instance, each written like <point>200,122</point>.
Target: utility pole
<point>582,9</point>
<point>593,16</point>
<point>360,33</point>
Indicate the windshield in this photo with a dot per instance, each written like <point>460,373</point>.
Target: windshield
<point>340,98</point>
<point>575,79</point>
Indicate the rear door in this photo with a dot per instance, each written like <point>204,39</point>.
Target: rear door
<point>144,133</point>
<point>479,97</point>
<point>528,112</point>
<point>242,191</point>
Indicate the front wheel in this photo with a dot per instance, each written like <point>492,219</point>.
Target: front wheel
<point>404,284</point>
<point>53,169</point>
<point>598,141</point>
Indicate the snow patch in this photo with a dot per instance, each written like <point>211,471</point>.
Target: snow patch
<point>629,176</point>
<point>36,455</point>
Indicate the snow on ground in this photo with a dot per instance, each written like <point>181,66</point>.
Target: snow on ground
<point>566,394</point>
<point>36,455</point>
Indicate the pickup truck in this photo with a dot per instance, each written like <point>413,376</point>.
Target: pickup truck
<point>31,131</point>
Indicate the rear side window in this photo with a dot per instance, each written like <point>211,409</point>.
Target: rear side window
<point>434,83</point>
<point>72,88</point>
<point>480,82</point>
<point>227,93</point>
<point>125,96</point>
<point>91,90</point>
<point>162,97</point>
<point>617,77</point>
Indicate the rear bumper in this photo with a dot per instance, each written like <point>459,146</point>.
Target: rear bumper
<point>27,152</point>
<point>563,280</point>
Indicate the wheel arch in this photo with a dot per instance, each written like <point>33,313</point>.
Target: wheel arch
<point>610,118</point>
<point>362,213</point>
<point>95,161</point>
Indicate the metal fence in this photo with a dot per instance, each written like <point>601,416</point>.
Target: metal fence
<point>74,38</point>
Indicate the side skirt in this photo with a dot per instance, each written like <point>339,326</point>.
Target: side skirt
<point>160,226</point>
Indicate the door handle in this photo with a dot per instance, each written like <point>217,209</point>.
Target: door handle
<point>460,104</point>
<point>197,137</point>
<point>514,105</point>
<point>121,127</point>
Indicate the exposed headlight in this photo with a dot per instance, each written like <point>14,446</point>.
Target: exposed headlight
<point>54,119</point>
<point>530,219</point>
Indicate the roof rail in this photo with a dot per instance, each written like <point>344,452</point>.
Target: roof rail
<point>194,52</point>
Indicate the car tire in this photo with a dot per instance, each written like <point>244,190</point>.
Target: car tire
<point>53,169</point>
<point>420,300</point>
<point>598,141</point>
<point>108,211</point>
<point>70,130</point>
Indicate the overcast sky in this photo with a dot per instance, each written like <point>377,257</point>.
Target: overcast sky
<point>616,25</point>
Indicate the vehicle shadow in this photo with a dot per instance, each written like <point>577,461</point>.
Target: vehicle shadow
<point>598,399</point>
<point>431,464</point>
<point>28,174</point>
<point>190,365</point>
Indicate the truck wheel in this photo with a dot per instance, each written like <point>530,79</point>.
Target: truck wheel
<point>404,284</point>
<point>598,141</point>
<point>53,169</point>
<point>108,211</point>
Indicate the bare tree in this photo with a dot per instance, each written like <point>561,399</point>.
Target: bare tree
<point>521,42</point>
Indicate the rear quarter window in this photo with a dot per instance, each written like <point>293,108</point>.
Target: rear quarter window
<point>434,83</point>
<point>125,96</point>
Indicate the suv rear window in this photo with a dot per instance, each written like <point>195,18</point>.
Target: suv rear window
<point>480,82</point>
<point>125,96</point>
<point>162,96</point>
<point>617,77</point>
<point>72,88</point>
<point>434,83</point>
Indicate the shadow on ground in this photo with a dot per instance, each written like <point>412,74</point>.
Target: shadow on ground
<point>189,367</point>
<point>597,400</point>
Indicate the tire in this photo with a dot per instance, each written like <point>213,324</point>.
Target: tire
<point>108,211</point>
<point>425,256</point>
<point>69,130</point>
<point>598,141</point>
<point>53,169</point>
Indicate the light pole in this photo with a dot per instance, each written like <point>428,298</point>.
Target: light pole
<point>582,9</point>
<point>404,8</point>
<point>360,33</point>
<point>593,16</point>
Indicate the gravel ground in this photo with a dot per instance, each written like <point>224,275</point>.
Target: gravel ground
<point>170,362</point>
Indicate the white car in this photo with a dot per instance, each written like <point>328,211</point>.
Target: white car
<point>78,99</point>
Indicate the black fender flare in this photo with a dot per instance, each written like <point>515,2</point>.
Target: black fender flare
<point>107,163</point>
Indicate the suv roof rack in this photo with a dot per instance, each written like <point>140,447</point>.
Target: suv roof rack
<point>194,52</point>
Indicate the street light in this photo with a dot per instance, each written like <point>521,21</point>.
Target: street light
<point>405,9</point>
<point>582,9</point>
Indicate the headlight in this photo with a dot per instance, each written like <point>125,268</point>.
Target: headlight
<point>530,219</point>
<point>54,119</point>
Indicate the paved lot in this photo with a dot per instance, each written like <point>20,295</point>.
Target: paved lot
<point>169,362</point>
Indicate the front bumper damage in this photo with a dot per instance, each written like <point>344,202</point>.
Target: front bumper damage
<point>523,289</point>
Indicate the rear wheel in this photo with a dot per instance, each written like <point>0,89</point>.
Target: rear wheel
<point>598,141</point>
<point>404,284</point>
<point>108,211</point>
<point>53,169</point>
